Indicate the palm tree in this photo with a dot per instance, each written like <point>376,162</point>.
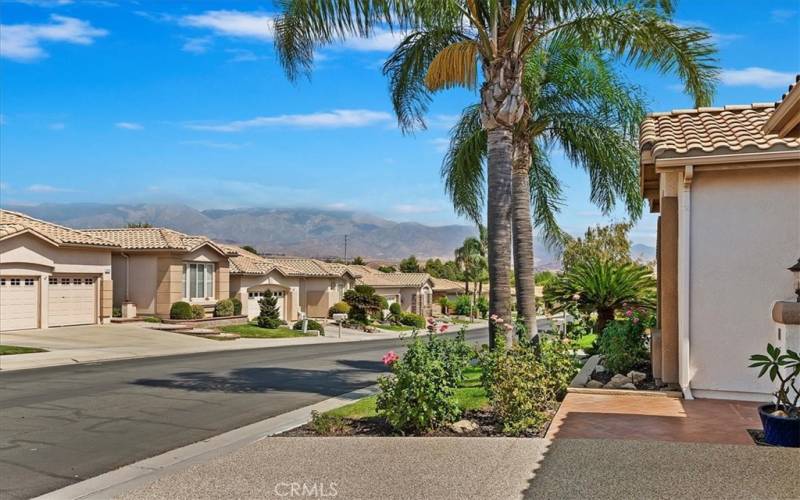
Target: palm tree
<point>604,287</point>
<point>448,39</point>
<point>471,259</point>
<point>577,102</point>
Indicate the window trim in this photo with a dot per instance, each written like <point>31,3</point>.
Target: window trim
<point>208,281</point>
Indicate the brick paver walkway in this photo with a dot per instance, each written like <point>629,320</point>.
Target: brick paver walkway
<point>653,418</point>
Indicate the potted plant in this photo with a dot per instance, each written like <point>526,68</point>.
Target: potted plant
<point>781,420</point>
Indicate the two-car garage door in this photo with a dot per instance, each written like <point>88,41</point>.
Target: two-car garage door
<point>72,300</point>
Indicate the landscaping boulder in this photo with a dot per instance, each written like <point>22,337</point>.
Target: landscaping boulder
<point>617,381</point>
<point>629,386</point>
<point>599,369</point>
<point>463,426</point>
<point>594,384</point>
<point>636,377</point>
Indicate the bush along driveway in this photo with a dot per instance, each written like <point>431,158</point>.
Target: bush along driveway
<point>445,387</point>
<point>15,349</point>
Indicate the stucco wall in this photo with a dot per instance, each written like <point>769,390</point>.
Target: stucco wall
<point>745,232</point>
<point>240,284</point>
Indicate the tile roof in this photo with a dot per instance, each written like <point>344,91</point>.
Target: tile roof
<point>12,223</point>
<point>792,86</point>
<point>152,238</point>
<point>703,131</point>
<point>378,279</point>
<point>446,285</point>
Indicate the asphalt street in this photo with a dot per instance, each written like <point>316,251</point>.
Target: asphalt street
<point>65,424</point>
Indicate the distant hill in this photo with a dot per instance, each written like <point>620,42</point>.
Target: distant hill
<point>642,252</point>
<point>292,231</point>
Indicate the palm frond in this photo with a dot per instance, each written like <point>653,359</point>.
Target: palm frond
<point>463,165</point>
<point>406,68</point>
<point>454,66</point>
<point>546,198</point>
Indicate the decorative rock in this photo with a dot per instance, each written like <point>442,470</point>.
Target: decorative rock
<point>594,384</point>
<point>599,369</point>
<point>636,377</point>
<point>619,379</point>
<point>629,386</point>
<point>463,426</point>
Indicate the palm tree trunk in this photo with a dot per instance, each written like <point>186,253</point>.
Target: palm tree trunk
<point>605,315</point>
<point>499,225</point>
<point>523,239</point>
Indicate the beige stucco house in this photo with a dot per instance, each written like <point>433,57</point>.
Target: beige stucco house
<point>155,267</point>
<point>727,191</point>
<point>413,291</point>
<point>51,275</point>
<point>302,285</point>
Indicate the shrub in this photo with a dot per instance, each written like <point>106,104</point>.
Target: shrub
<point>311,325</point>
<point>455,355</point>
<point>223,308</point>
<point>198,311</point>
<point>522,391</point>
<point>325,424</point>
<point>269,314</point>
<point>419,396</point>
<point>411,319</point>
<point>463,305</point>
<point>237,306</point>
<point>339,308</point>
<point>116,312</point>
<point>622,345</point>
<point>152,319</point>
<point>559,364</point>
<point>180,310</point>
<point>364,303</point>
<point>482,304</point>
<point>395,309</point>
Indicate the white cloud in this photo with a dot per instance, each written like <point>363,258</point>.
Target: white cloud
<point>233,23</point>
<point>339,118</point>
<point>243,55</point>
<point>381,41</point>
<point>756,77</point>
<point>129,125</point>
<point>46,188</point>
<point>716,37</point>
<point>57,126</point>
<point>441,144</point>
<point>337,206</point>
<point>45,3</point>
<point>419,208</point>
<point>197,45</point>
<point>23,42</point>
<point>782,15</point>
<point>214,145</point>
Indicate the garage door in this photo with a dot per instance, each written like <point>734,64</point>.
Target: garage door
<point>254,309</point>
<point>72,301</point>
<point>19,303</point>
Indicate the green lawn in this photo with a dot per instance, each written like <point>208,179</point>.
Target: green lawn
<point>14,349</point>
<point>470,396</point>
<point>586,341</point>
<point>396,328</point>
<point>255,332</point>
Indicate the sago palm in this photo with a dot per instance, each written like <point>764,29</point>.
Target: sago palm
<point>603,287</point>
<point>579,104</point>
<point>448,39</point>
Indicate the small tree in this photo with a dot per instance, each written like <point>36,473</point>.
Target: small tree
<point>138,225</point>
<point>270,315</point>
<point>387,269</point>
<point>250,249</point>
<point>607,243</point>
<point>364,303</point>
<point>359,261</point>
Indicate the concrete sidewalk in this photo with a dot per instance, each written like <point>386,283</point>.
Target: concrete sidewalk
<point>481,468</point>
<point>95,343</point>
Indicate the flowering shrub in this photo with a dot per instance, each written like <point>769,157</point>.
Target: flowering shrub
<point>623,342</point>
<point>559,365</point>
<point>390,358</point>
<point>419,395</point>
<point>455,355</point>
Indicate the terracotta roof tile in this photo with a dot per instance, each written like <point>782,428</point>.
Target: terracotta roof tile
<point>14,222</point>
<point>378,279</point>
<point>701,131</point>
<point>445,285</point>
<point>151,238</point>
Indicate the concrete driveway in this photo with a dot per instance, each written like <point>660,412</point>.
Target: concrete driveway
<point>93,343</point>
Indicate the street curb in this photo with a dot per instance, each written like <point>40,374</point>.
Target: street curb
<point>116,482</point>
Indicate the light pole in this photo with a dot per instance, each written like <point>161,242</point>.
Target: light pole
<point>345,249</point>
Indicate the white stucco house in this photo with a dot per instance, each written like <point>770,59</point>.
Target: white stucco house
<point>727,191</point>
<point>51,275</point>
<point>413,291</point>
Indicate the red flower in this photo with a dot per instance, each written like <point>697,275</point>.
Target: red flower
<point>390,358</point>
<point>443,328</point>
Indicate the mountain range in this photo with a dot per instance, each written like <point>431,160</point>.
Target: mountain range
<point>291,231</point>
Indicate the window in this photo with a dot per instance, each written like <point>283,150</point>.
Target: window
<point>28,281</point>
<point>2,282</point>
<point>14,281</point>
<point>52,281</point>
<point>88,281</point>
<point>198,281</point>
<point>65,281</point>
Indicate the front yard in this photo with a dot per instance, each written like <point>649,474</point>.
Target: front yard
<point>14,349</point>
<point>256,332</point>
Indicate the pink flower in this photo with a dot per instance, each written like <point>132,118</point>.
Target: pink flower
<point>509,327</point>
<point>629,313</point>
<point>390,358</point>
<point>430,321</point>
<point>493,317</point>
<point>635,320</point>
<point>499,321</point>
<point>443,328</point>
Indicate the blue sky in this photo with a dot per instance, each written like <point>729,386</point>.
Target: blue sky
<point>185,102</point>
